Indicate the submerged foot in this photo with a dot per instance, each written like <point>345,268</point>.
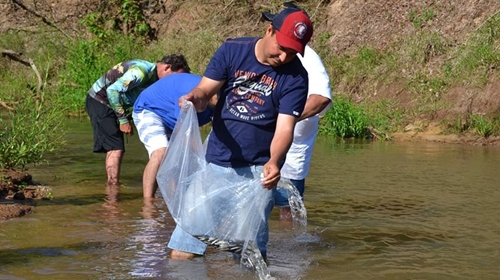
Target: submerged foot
<point>180,255</point>
<point>286,214</point>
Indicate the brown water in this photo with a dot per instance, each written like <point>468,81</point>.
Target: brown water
<point>375,211</point>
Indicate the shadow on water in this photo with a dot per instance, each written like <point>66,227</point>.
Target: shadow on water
<point>33,254</point>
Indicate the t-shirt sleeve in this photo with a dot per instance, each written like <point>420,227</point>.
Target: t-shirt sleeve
<point>217,68</point>
<point>294,96</point>
<point>319,81</point>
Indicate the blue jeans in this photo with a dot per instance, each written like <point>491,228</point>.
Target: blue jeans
<point>281,196</point>
<point>183,241</point>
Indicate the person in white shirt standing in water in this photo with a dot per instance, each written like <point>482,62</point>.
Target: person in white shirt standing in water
<point>298,158</point>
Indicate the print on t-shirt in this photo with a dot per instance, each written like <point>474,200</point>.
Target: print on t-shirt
<point>249,95</point>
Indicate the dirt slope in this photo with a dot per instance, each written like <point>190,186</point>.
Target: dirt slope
<point>351,22</point>
<point>348,24</point>
<point>359,22</point>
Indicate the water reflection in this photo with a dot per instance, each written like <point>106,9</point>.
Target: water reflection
<point>150,250</point>
<point>110,205</point>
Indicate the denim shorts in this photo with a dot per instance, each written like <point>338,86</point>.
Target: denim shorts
<point>281,195</point>
<point>183,241</point>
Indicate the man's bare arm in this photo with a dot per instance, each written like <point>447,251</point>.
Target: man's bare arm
<point>202,93</point>
<point>280,144</point>
<point>314,105</point>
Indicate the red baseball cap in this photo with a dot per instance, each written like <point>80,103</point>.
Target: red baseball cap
<point>293,27</point>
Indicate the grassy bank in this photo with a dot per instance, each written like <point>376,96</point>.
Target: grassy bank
<point>377,91</point>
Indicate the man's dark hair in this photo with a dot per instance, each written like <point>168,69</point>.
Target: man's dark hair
<point>273,30</point>
<point>176,62</point>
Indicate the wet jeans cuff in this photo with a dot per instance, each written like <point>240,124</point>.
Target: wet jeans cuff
<point>183,241</point>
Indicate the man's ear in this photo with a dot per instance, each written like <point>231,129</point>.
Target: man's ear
<point>269,30</point>
<point>165,67</point>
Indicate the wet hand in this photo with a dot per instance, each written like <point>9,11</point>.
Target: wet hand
<point>271,174</point>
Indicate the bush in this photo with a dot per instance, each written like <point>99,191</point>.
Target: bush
<point>87,61</point>
<point>28,134</point>
<point>482,125</point>
<point>345,120</point>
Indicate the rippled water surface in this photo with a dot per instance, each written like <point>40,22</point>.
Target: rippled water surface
<point>375,211</point>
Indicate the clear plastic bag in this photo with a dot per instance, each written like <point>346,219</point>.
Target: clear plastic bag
<point>219,208</point>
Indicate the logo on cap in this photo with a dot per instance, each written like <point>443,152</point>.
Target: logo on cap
<point>300,30</point>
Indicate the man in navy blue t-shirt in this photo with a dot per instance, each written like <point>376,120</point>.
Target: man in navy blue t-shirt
<point>262,88</point>
<point>155,114</point>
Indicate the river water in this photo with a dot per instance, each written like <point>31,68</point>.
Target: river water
<point>376,210</point>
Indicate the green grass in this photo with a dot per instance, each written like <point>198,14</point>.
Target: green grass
<point>33,130</point>
<point>424,64</point>
<point>344,119</point>
<point>475,61</point>
<point>484,126</point>
<point>386,116</point>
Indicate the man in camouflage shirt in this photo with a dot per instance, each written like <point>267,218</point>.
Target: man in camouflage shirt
<point>111,96</point>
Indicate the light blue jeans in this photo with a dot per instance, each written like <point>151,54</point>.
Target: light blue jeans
<point>281,195</point>
<point>183,241</point>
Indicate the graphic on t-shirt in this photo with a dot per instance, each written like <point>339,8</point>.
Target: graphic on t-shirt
<point>250,93</point>
<point>118,67</point>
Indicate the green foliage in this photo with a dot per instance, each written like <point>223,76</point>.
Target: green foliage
<point>482,125</point>
<point>385,115</point>
<point>12,84</point>
<point>125,16</point>
<point>426,46</point>
<point>132,17</point>
<point>351,70</point>
<point>479,57</point>
<point>87,60</point>
<point>31,132</point>
<point>95,24</point>
<point>33,127</point>
<point>12,78</point>
<point>321,46</point>
<point>22,186</point>
<point>430,88</point>
<point>344,119</point>
<point>367,58</point>
<point>415,65</point>
<point>83,67</point>
<point>456,125</point>
<point>412,55</point>
<point>424,63</point>
<point>420,19</point>
<point>198,47</point>
<point>363,63</point>
<point>49,195</point>
<point>476,62</point>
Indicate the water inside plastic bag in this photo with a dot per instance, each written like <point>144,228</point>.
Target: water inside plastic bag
<point>220,209</point>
